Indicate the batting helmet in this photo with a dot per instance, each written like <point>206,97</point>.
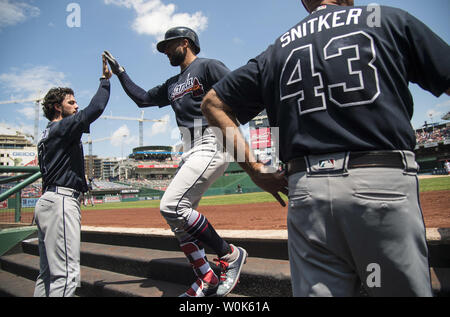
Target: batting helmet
<point>310,3</point>
<point>179,32</point>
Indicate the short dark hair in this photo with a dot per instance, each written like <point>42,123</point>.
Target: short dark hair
<point>55,96</point>
<point>192,46</point>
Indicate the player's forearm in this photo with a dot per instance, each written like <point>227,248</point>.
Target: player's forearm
<point>136,93</point>
<point>98,102</point>
<point>219,115</point>
<point>240,146</point>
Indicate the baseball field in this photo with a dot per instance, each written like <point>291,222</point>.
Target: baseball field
<point>258,211</point>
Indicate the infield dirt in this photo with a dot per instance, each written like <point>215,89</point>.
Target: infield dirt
<point>259,216</point>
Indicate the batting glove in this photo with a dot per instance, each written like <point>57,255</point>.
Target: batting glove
<point>115,66</point>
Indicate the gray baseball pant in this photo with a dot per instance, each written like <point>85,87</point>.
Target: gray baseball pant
<point>58,219</point>
<point>202,163</point>
<point>357,228</point>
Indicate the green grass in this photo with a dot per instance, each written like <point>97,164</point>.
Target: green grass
<point>206,201</point>
<point>124,205</point>
<point>436,183</point>
<point>260,197</point>
<point>428,184</point>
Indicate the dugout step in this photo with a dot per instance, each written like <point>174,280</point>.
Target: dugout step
<point>12,285</point>
<point>111,270</point>
<point>259,277</point>
<point>271,248</point>
<point>438,240</point>
<point>24,268</point>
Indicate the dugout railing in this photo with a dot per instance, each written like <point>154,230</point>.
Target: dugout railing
<point>21,177</point>
<point>13,227</point>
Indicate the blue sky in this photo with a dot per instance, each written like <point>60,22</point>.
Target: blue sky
<point>39,50</point>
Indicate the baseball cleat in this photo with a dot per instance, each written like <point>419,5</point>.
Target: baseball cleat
<point>230,271</point>
<point>201,288</point>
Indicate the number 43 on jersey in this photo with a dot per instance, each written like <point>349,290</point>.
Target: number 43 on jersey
<point>351,77</point>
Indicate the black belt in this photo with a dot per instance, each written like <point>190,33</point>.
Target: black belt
<point>386,159</point>
<point>52,188</point>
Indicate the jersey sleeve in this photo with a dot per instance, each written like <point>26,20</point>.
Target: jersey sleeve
<point>156,96</point>
<point>159,96</point>
<point>430,57</point>
<point>215,71</point>
<point>98,102</point>
<point>74,126</point>
<point>241,91</point>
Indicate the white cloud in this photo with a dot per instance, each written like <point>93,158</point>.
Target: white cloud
<point>435,114</point>
<point>154,18</point>
<point>28,112</point>
<point>444,104</point>
<point>120,135</point>
<point>13,12</point>
<point>12,129</point>
<point>160,127</point>
<point>123,136</point>
<point>31,82</point>
<point>238,41</point>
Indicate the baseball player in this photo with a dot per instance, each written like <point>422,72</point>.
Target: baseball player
<point>202,162</point>
<point>88,195</point>
<point>61,161</point>
<point>336,87</point>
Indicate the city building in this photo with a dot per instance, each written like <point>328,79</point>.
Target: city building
<point>17,150</point>
<point>108,168</point>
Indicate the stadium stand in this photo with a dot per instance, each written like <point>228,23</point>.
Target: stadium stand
<point>432,135</point>
<point>32,191</point>
<point>160,184</point>
<point>433,148</point>
<point>99,185</point>
<point>153,168</point>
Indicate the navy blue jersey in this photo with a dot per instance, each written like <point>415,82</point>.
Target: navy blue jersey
<point>184,92</point>
<point>60,151</point>
<point>335,83</point>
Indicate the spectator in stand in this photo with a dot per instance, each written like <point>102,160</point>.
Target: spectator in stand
<point>436,135</point>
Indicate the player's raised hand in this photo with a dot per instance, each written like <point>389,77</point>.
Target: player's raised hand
<point>105,70</point>
<point>113,63</point>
